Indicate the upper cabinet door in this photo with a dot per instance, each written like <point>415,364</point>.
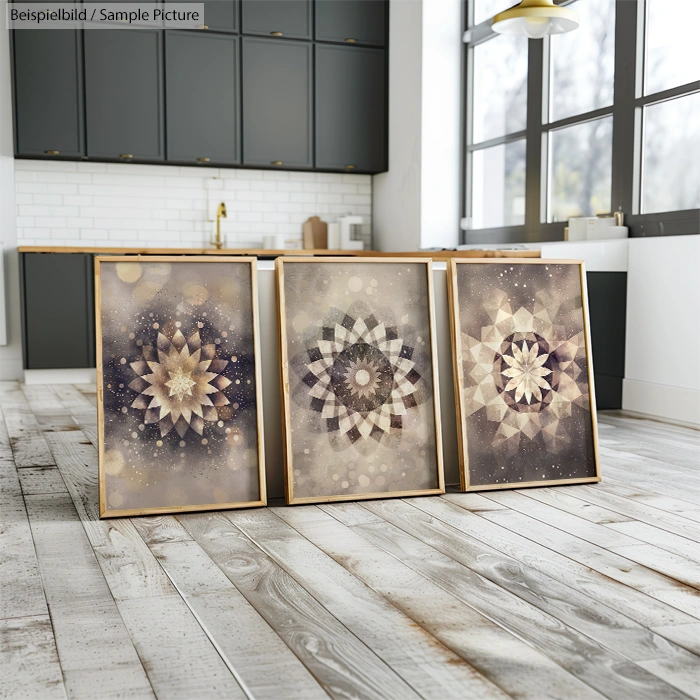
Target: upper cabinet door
<point>201,83</point>
<point>350,109</point>
<point>48,92</point>
<point>352,21</point>
<point>277,103</point>
<point>280,18</point>
<point>219,15</point>
<point>124,94</point>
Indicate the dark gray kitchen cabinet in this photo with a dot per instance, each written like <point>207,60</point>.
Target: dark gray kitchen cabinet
<point>280,18</point>
<point>48,92</point>
<point>58,309</point>
<point>350,109</point>
<point>124,94</point>
<point>352,21</point>
<point>219,15</point>
<point>202,97</point>
<point>277,103</point>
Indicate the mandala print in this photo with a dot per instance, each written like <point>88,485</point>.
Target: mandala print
<point>361,378</point>
<point>526,373</point>
<point>180,383</point>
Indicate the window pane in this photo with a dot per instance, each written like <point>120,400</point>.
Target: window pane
<point>500,87</point>
<point>498,185</point>
<point>671,165</point>
<point>583,61</point>
<point>672,44</point>
<point>580,167</point>
<point>485,9</point>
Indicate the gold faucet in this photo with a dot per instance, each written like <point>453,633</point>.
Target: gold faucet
<point>221,211</point>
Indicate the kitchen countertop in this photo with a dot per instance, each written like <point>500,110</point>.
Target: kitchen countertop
<point>255,252</point>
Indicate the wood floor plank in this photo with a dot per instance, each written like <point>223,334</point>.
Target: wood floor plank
<point>350,513</point>
<point>158,529</point>
<point>337,658</point>
<point>652,557</point>
<point>676,544</point>
<point>668,504</point>
<point>655,481</point>
<point>262,662</point>
<point>21,590</point>
<point>29,665</point>
<point>94,647</point>
<point>563,499</point>
<point>627,600</point>
<point>74,400</point>
<point>635,510</point>
<point>667,563</point>
<point>35,480</point>
<point>616,567</point>
<point>42,399</point>
<point>415,540</point>
<point>511,664</point>
<point>26,438</point>
<point>89,391</point>
<point>686,636</point>
<point>641,438</point>
<point>179,658</point>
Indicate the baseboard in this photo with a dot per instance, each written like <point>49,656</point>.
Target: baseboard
<point>60,376</point>
<point>660,400</point>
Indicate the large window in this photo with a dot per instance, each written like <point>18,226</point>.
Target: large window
<point>601,119</point>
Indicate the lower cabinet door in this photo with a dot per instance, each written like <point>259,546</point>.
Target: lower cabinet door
<point>351,109</point>
<point>277,98</point>
<point>202,97</point>
<point>58,310</point>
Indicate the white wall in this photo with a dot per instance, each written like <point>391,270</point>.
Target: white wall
<point>416,203</point>
<point>663,328</point>
<point>11,353</point>
<point>126,204</point>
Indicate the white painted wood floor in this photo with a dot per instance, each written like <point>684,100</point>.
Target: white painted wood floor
<point>568,592</point>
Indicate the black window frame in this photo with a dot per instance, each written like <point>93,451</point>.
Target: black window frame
<point>627,134</point>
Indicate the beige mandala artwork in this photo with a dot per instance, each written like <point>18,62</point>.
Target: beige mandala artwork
<point>526,373</point>
<point>180,383</point>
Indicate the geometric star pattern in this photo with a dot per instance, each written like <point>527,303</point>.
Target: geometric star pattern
<point>179,383</point>
<point>524,372</point>
<point>361,378</point>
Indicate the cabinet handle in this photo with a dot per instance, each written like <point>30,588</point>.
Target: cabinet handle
<point>276,33</point>
<point>276,162</point>
<point>126,156</point>
<point>202,26</point>
<point>51,153</point>
<point>351,41</point>
<point>203,160</point>
<point>349,167</point>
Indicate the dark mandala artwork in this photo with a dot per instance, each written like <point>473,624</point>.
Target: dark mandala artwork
<point>180,414</point>
<point>525,400</point>
<point>361,378</point>
<point>180,383</point>
<point>362,415</point>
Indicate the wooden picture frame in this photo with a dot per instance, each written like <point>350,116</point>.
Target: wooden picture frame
<point>345,284</point>
<point>220,436</point>
<point>490,393</point>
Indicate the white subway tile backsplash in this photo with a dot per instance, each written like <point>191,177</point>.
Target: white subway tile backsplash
<point>127,204</point>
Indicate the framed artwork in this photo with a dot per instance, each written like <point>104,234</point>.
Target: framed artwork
<point>523,373</point>
<point>359,379</point>
<point>179,391</point>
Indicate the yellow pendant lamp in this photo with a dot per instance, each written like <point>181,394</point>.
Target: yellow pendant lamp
<point>535,19</point>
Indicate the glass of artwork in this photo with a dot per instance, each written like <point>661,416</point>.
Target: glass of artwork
<point>359,379</point>
<point>525,404</point>
<point>179,410</point>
